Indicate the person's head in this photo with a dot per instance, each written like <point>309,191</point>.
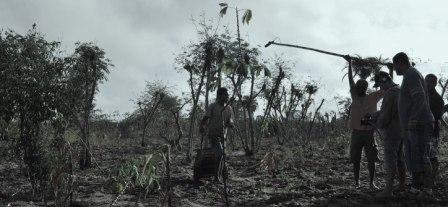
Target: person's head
<point>401,63</point>
<point>361,87</point>
<point>383,80</point>
<point>222,96</point>
<point>431,81</point>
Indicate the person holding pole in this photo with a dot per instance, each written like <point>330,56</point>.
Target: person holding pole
<point>416,121</point>
<point>362,135</point>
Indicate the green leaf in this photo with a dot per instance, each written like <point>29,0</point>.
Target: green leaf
<point>242,70</point>
<point>247,16</point>
<point>266,190</point>
<point>135,169</point>
<point>227,67</point>
<point>243,20</point>
<point>223,11</point>
<point>257,69</point>
<point>119,188</point>
<point>267,72</point>
<point>150,181</point>
<point>162,156</point>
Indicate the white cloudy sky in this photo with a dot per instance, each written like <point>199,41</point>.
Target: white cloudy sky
<point>141,37</point>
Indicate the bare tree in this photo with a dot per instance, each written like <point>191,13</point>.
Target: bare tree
<point>148,103</point>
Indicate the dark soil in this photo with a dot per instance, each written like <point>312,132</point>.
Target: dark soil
<point>319,175</point>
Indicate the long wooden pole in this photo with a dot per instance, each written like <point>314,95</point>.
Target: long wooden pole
<point>317,50</point>
<point>328,53</point>
<point>303,47</point>
<point>222,163</point>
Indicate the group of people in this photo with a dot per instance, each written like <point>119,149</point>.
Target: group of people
<point>408,121</point>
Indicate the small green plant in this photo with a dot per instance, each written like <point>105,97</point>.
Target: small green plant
<point>140,174</point>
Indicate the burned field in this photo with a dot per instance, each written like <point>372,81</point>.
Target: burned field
<point>316,175</point>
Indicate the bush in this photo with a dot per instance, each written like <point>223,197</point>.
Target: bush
<point>140,174</point>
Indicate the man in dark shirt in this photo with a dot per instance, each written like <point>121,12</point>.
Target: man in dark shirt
<point>436,104</point>
<point>416,121</point>
<point>217,119</point>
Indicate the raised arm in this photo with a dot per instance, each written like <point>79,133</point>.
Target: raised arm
<point>350,71</point>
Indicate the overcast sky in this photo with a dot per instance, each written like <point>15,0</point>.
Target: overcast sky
<point>141,37</point>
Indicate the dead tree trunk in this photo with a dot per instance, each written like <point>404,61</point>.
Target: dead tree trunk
<point>251,113</point>
<point>314,118</point>
<point>443,86</point>
<point>207,89</point>
<point>267,111</point>
<point>305,107</point>
<point>180,133</point>
<point>196,95</point>
<point>85,161</point>
<point>168,176</point>
<point>148,114</point>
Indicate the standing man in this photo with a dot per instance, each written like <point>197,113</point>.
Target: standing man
<point>436,104</point>
<point>416,121</point>
<point>362,135</point>
<point>388,120</point>
<point>218,117</point>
